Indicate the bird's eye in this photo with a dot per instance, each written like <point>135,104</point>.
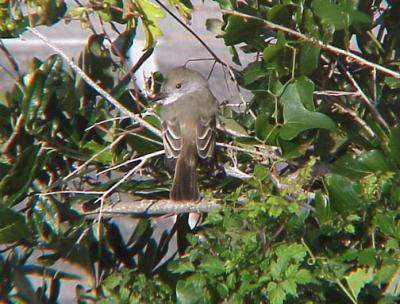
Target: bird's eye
<point>178,85</point>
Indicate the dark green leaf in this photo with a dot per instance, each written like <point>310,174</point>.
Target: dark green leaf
<point>15,185</point>
<point>192,290</point>
<point>297,118</point>
<point>238,30</point>
<point>12,226</point>
<point>343,193</point>
<point>309,58</point>
<point>212,265</point>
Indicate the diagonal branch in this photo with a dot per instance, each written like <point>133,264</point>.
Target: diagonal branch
<point>338,51</point>
<point>95,86</point>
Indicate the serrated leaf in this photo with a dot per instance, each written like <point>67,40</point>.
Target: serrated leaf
<point>276,293</point>
<point>358,279</point>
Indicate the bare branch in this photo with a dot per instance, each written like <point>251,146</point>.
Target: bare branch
<point>95,86</point>
<point>148,207</point>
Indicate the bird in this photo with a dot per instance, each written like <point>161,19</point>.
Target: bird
<point>188,118</point>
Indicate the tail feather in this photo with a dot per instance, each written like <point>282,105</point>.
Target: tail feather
<point>185,186</point>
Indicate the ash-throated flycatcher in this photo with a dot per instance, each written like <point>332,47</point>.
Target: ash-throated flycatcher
<point>188,117</point>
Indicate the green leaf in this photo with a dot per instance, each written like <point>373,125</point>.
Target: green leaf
<point>340,15</point>
<point>235,55</point>
<point>279,14</point>
<point>16,183</point>
<point>261,172</point>
<point>151,12</point>
<point>305,88</point>
<point>105,157</point>
<point>296,117</point>
<point>227,4</point>
<point>181,266</point>
<point>212,265</point>
<point>276,293</point>
<point>214,26</point>
<point>232,126</point>
<point>304,276</point>
<point>309,58</point>
<point>343,193</point>
<point>271,52</point>
<point>239,30</point>
<point>393,83</point>
<point>386,223</point>
<point>358,279</point>
<point>184,7</point>
<point>276,206</point>
<point>12,226</point>
<point>192,290</point>
<point>322,207</point>
<point>367,162</point>
<point>253,72</point>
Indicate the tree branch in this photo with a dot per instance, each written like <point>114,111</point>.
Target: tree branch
<point>361,61</point>
<point>147,207</point>
<point>95,86</point>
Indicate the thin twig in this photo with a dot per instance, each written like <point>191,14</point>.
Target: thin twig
<point>95,86</point>
<point>94,156</point>
<point>140,158</point>
<point>86,192</point>
<point>105,121</point>
<point>361,61</point>
<point>364,98</point>
<point>123,179</point>
<point>10,59</point>
<point>353,114</point>
<point>335,93</point>
<point>112,188</point>
<point>249,151</point>
<point>215,56</point>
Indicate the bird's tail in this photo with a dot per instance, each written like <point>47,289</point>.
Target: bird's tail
<point>185,186</point>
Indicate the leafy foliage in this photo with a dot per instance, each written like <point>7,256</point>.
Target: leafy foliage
<point>317,221</point>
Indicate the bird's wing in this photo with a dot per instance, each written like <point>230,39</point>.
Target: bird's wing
<point>205,137</point>
<point>172,138</point>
